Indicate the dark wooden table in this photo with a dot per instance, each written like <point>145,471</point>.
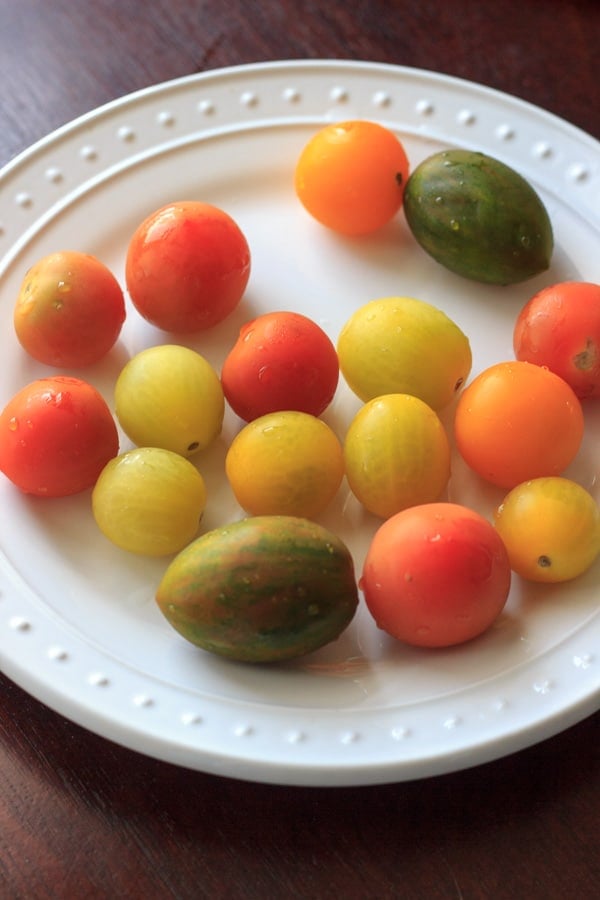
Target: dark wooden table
<point>81,817</point>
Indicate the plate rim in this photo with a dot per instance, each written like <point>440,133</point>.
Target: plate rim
<point>244,766</point>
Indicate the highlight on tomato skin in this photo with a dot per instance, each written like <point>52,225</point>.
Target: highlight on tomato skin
<point>559,327</point>
<point>56,436</point>
<point>436,575</point>
<point>351,175</point>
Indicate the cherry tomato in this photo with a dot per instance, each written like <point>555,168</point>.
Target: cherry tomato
<point>285,463</point>
<point>436,575</point>
<point>56,435</point>
<point>187,266</point>
<point>69,311</point>
<point>281,360</point>
<point>551,529</point>
<point>517,421</point>
<point>351,176</point>
<point>559,327</point>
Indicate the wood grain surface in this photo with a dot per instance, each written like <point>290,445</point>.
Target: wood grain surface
<point>81,817</point>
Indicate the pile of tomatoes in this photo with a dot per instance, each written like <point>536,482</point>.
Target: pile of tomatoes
<point>517,425</point>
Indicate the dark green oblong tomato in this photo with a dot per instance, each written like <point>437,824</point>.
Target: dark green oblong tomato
<point>478,217</point>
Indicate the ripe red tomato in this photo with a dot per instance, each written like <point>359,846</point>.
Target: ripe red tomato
<point>187,266</point>
<point>436,575</point>
<point>280,361</point>
<point>559,327</point>
<point>70,310</point>
<point>56,436</point>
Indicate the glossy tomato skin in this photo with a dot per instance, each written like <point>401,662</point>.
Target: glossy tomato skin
<point>187,266</point>
<point>280,361</point>
<point>559,327</point>
<point>436,575</point>
<point>56,435</point>
<point>69,311</point>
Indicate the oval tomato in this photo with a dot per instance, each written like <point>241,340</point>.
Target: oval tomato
<point>187,266</point>
<point>69,311</point>
<point>281,360</point>
<point>56,436</point>
<point>436,575</point>
<point>559,327</point>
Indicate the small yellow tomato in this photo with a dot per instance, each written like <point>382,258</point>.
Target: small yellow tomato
<point>171,397</point>
<point>551,529</point>
<point>401,345</point>
<point>149,501</point>
<point>397,454</point>
<point>285,463</point>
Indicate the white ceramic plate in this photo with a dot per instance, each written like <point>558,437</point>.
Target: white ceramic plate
<point>78,626</point>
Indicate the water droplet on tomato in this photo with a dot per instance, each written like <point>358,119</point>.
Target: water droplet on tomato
<point>13,424</point>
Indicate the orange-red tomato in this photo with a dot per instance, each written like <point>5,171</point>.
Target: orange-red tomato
<point>436,575</point>
<point>559,327</point>
<point>280,361</point>
<point>351,176</point>
<point>517,421</point>
<point>187,266</point>
<point>56,436</point>
<point>69,311</point>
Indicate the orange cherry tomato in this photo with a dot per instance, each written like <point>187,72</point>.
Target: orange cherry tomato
<point>280,361</point>
<point>435,575</point>
<point>69,311</point>
<point>516,421</point>
<point>56,436</point>
<point>559,327</point>
<point>351,176</point>
<point>187,266</point>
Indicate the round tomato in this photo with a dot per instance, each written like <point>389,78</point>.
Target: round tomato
<point>436,575</point>
<point>351,175</point>
<point>285,463</point>
<point>559,327</point>
<point>149,501</point>
<point>69,311</point>
<point>551,529</point>
<point>187,266</point>
<point>56,436</point>
<point>517,421</point>
<point>281,360</point>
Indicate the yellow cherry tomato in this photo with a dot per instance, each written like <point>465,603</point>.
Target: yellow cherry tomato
<point>285,463</point>
<point>397,454</point>
<point>403,345</point>
<point>551,529</point>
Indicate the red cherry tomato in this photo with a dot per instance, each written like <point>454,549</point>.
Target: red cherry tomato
<point>56,436</point>
<point>280,361</point>
<point>187,266</point>
<point>436,575</point>
<point>70,310</point>
<point>559,328</point>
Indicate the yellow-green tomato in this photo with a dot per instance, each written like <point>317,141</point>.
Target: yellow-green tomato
<point>171,397</point>
<point>149,501</point>
<point>551,529</point>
